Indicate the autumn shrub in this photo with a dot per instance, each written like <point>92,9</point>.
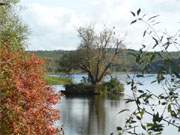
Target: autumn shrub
<point>26,101</point>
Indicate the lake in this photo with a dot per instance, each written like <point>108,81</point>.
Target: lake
<point>97,115</point>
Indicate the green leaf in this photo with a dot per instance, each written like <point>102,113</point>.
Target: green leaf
<point>156,42</point>
<point>153,81</point>
<point>143,126</point>
<point>164,103</point>
<point>119,128</point>
<point>153,17</point>
<point>144,34</point>
<point>139,118</point>
<point>169,108</point>
<point>133,21</point>
<point>142,113</point>
<point>124,110</point>
<point>129,100</point>
<point>133,13</point>
<point>138,11</point>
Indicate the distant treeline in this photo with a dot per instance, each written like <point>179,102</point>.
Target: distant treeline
<point>127,61</point>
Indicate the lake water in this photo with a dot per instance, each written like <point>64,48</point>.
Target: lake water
<point>97,115</point>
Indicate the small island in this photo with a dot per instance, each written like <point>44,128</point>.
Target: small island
<point>94,57</point>
<point>112,87</point>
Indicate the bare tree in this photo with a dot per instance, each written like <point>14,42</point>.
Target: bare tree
<point>96,53</point>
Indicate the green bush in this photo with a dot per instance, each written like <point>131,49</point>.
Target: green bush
<point>114,86</point>
<point>111,87</point>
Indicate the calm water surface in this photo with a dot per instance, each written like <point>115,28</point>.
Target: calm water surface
<point>98,115</point>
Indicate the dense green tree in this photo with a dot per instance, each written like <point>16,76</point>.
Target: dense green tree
<point>12,30</point>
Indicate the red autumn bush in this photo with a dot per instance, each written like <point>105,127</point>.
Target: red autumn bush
<point>26,101</point>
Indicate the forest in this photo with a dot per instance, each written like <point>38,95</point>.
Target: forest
<point>127,61</point>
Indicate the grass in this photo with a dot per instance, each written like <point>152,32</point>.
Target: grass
<point>57,80</point>
<point>63,72</point>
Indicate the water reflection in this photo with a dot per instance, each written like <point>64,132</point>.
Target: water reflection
<point>91,116</point>
<point>98,115</point>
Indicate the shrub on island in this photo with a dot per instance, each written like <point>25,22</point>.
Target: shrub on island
<point>111,87</point>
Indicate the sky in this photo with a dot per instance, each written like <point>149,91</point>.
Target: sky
<point>53,24</point>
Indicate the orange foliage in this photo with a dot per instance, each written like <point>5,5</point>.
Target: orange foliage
<point>26,102</point>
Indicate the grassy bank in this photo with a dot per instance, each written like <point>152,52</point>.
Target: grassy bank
<point>57,80</point>
<point>63,72</point>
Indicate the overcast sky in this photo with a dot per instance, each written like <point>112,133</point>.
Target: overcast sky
<point>53,23</point>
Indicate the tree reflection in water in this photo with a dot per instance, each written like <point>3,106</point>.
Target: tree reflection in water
<point>91,115</point>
